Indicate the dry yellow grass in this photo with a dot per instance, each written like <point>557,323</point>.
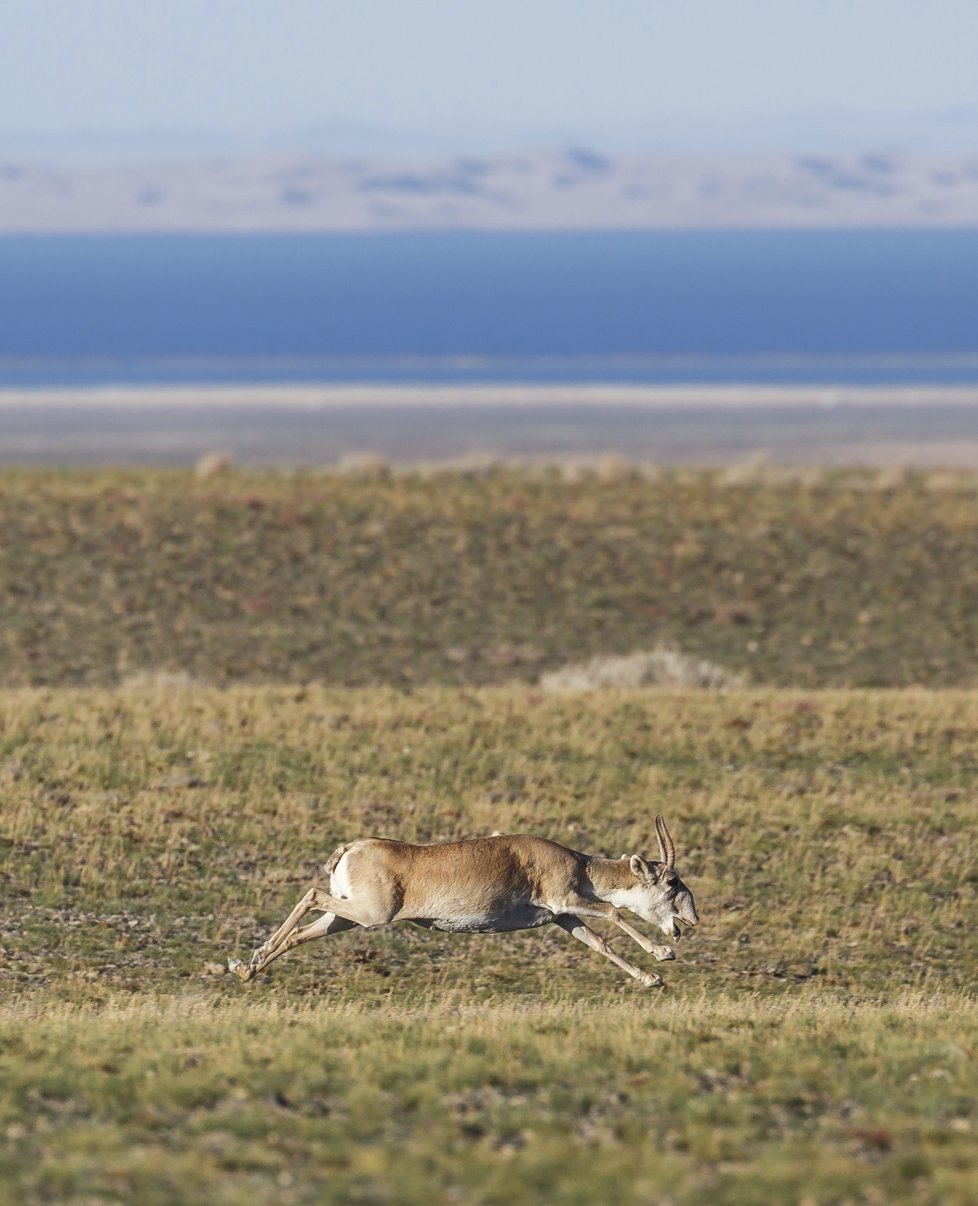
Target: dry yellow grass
<point>821,819</point>
<point>728,1099</point>
<point>818,1036</point>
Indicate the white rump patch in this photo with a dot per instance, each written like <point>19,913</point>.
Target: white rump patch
<point>339,881</point>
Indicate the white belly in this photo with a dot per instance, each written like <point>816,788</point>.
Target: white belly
<point>523,917</point>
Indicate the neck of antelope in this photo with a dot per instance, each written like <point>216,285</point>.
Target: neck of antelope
<point>609,876</point>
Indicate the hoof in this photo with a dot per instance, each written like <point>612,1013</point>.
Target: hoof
<point>663,953</point>
<point>239,969</point>
<point>652,982</point>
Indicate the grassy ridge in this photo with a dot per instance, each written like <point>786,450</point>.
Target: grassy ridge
<point>818,1034</point>
<point>811,579</point>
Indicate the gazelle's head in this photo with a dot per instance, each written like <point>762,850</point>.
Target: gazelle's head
<point>658,895</point>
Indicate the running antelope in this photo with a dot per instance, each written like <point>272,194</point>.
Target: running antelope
<point>490,885</point>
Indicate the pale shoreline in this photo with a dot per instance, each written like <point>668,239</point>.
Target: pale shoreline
<point>324,397</point>
<point>294,426</point>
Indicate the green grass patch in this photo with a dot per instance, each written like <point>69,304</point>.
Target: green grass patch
<point>726,1099</point>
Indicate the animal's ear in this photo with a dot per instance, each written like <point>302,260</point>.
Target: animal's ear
<point>640,868</point>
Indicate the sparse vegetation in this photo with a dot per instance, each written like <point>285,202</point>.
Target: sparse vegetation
<point>817,1040</point>
<point>813,579</point>
<point>709,1099</point>
<point>817,1036</point>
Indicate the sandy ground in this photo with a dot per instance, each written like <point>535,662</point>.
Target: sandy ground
<point>291,396</point>
<point>310,425</point>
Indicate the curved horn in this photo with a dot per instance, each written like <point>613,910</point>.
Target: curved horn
<point>666,848</point>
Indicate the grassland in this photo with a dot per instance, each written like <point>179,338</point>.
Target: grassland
<point>165,799</point>
<point>810,579</point>
<point>817,1041</point>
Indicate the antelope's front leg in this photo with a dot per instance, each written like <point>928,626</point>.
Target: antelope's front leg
<point>657,952</point>
<point>577,929</point>
<point>610,913</point>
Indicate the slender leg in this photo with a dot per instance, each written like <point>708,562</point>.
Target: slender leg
<point>329,923</point>
<point>315,900</point>
<point>577,929</point>
<point>610,913</point>
<point>306,905</point>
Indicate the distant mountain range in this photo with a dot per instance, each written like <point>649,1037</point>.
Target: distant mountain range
<point>568,188</point>
<point>950,130</point>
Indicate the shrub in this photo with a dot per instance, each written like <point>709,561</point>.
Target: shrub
<point>660,667</point>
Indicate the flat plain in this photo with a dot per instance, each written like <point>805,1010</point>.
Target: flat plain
<point>796,577</point>
<point>817,1039</point>
<point>320,425</point>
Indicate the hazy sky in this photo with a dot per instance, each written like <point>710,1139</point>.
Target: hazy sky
<point>522,67</point>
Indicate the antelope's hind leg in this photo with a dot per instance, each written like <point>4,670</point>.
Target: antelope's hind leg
<point>329,923</point>
<point>287,935</point>
<point>577,929</point>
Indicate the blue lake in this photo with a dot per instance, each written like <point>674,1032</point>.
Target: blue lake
<point>872,307</point>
